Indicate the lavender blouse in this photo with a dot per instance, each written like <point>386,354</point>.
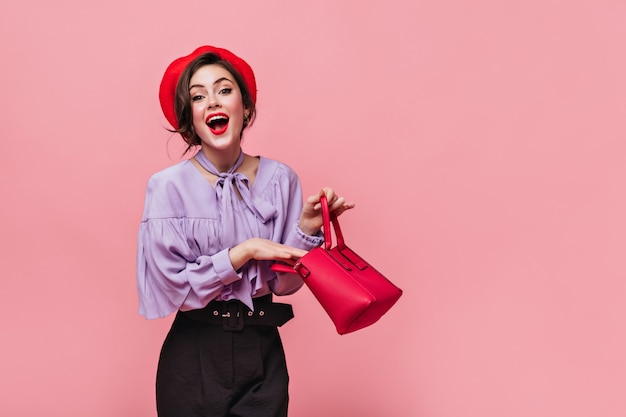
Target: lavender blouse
<point>189,225</point>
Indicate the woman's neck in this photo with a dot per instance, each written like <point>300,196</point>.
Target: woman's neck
<point>223,160</point>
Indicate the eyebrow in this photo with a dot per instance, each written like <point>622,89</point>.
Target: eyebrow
<point>219,80</point>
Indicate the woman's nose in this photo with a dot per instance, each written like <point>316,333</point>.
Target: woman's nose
<point>213,102</point>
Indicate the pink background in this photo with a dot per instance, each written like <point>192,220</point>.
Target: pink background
<point>483,142</point>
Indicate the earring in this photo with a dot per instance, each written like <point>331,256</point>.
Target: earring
<point>246,118</point>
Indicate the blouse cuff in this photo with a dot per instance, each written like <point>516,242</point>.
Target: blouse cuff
<point>312,240</point>
<point>224,268</point>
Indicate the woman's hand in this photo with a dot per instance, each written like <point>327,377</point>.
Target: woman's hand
<point>263,250</point>
<point>311,217</point>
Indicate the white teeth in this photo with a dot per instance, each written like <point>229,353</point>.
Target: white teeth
<point>218,117</point>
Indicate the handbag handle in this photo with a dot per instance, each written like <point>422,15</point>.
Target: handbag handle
<point>344,251</point>
<point>347,253</point>
<point>329,218</point>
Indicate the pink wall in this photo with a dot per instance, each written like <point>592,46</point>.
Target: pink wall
<point>482,140</point>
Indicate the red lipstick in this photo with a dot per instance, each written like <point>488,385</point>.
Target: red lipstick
<point>217,123</point>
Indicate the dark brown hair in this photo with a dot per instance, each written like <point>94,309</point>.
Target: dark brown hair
<point>182,99</point>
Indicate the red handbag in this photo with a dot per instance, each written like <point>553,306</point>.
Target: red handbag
<point>353,293</point>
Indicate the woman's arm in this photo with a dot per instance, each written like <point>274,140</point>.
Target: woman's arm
<point>263,250</point>
<point>170,273</point>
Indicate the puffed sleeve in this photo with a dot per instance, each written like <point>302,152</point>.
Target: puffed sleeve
<point>171,271</point>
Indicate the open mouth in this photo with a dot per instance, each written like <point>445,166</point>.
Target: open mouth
<point>217,123</point>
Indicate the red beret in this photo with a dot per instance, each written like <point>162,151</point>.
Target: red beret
<point>167,91</point>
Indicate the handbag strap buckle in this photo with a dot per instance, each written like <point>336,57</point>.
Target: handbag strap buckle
<point>301,270</point>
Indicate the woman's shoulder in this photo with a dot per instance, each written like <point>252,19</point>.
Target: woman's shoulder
<point>273,167</point>
<point>274,179</point>
<point>170,189</point>
<point>174,173</point>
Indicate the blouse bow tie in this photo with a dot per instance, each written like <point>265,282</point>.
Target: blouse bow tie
<point>226,184</point>
<point>232,187</point>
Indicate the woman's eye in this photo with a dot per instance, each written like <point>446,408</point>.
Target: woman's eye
<point>226,90</point>
<point>197,97</point>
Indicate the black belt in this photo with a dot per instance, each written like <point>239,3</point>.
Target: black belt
<point>233,315</point>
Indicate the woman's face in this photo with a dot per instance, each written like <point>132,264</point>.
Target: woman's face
<point>217,107</point>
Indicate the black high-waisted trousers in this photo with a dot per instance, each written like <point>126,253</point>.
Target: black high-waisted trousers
<point>208,371</point>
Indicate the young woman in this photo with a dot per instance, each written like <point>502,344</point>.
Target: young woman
<point>212,226</point>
